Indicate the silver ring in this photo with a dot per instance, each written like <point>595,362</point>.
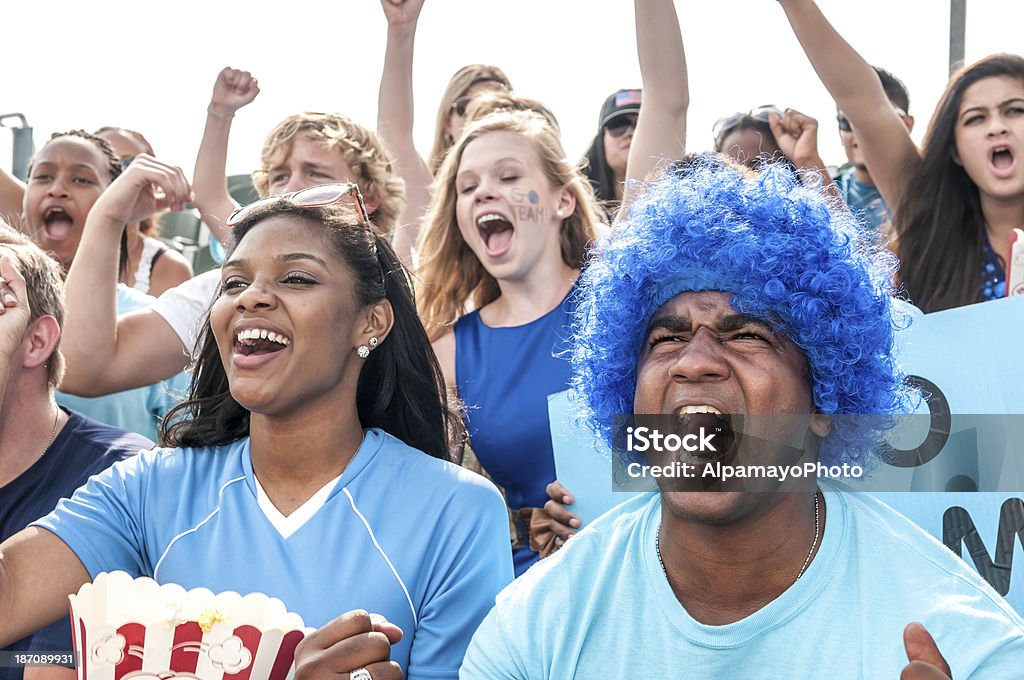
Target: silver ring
<point>359,674</point>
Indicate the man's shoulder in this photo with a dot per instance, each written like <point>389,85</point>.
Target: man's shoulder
<point>600,550</point>
<point>103,440</point>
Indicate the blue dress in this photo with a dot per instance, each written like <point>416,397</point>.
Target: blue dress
<point>993,273</point>
<point>504,377</point>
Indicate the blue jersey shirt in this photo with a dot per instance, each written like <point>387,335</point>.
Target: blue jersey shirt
<point>602,608</point>
<point>402,534</point>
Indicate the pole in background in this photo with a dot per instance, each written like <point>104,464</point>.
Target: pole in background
<point>23,145</point>
<point>957,29</point>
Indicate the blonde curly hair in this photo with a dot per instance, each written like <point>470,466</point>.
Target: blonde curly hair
<point>361,149</point>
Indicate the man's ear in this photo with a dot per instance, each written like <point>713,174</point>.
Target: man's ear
<point>371,203</point>
<point>41,338</point>
<point>821,424</point>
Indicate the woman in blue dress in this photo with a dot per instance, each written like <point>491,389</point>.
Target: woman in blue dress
<point>506,237</point>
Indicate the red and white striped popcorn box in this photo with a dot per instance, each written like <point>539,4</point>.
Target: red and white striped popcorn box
<point>126,627</point>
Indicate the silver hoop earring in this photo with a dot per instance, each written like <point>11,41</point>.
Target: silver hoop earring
<point>363,351</point>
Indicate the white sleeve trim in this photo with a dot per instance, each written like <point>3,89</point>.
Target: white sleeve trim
<point>383,554</point>
<point>197,527</point>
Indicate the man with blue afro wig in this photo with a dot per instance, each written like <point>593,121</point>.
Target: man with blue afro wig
<point>785,258</point>
<point>727,292</point>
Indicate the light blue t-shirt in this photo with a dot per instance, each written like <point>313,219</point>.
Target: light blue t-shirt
<point>602,608</point>
<point>865,200</point>
<point>139,410</point>
<point>419,540</point>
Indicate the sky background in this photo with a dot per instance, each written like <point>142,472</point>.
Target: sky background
<point>151,67</point>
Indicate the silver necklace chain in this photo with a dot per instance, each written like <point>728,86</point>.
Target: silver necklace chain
<point>53,433</point>
<point>810,553</point>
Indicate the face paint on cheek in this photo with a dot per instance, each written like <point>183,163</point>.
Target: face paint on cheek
<point>525,205</point>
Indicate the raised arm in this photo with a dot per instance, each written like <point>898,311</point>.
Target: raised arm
<point>889,151</point>
<point>661,126</point>
<point>102,354</point>
<point>233,90</point>
<point>797,136</point>
<point>395,118</point>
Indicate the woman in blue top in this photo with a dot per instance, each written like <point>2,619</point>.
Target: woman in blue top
<point>960,197</point>
<point>285,478</point>
<point>506,237</point>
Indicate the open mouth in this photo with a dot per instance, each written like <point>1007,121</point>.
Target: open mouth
<point>259,341</point>
<point>1002,159</point>
<point>710,433</point>
<point>496,233</point>
<point>58,223</point>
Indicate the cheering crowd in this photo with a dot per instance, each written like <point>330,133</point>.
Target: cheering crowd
<point>358,394</point>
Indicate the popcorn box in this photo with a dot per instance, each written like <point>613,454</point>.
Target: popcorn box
<point>126,627</point>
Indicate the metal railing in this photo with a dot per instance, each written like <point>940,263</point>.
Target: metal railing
<point>23,145</point>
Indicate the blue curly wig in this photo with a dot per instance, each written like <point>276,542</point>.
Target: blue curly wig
<point>784,254</point>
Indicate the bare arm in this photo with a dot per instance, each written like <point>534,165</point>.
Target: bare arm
<point>889,151</point>
<point>105,354</point>
<point>661,125</point>
<point>444,349</point>
<point>12,191</point>
<point>37,573</point>
<point>232,90</point>
<point>395,119</point>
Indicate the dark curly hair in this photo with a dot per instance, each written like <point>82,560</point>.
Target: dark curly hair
<point>786,256</point>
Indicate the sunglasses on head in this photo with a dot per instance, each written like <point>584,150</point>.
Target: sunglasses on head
<point>723,126</point>
<point>619,125</point>
<point>310,197</point>
<point>315,197</point>
<point>844,123</point>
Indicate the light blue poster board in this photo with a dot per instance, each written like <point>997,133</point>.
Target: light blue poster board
<point>972,362</point>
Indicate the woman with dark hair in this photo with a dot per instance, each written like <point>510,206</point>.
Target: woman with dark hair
<point>147,264</point>
<point>958,199</point>
<point>287,468</point>
<point>604,164</point>
<point>747,137</point>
